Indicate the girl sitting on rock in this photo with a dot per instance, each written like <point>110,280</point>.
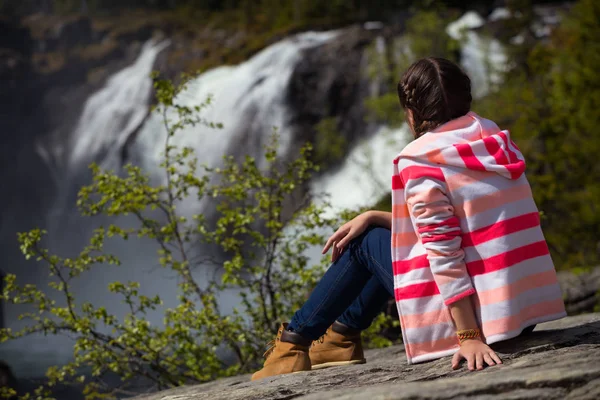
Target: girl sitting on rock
<point>462,251</point>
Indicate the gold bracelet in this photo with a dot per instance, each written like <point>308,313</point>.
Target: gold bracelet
<point>468,334</point>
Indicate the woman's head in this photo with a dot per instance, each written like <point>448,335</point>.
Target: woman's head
<point>434,91</point>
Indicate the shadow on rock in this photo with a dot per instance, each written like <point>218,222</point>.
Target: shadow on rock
<point>546,340</point>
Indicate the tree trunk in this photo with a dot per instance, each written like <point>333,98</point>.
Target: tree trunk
<point>248,12</point>
<point>297,11</point>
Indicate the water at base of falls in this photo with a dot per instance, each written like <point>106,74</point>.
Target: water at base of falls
<point>363,178</point>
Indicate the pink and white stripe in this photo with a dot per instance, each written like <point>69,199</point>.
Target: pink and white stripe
<point>464,223</point>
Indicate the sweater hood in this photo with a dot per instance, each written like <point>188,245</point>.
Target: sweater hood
<point>470,142</point>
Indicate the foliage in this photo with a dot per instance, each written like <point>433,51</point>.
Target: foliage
<point>330,145</point>
<point>373,338</point>
<point>270,15</point>
<point>550,102</point>
<point>426,32</point>
<point>424,37</point>
<point>385,108</point>
<point>265,262</point>
<point>384,204</point>
<point>274,10</point>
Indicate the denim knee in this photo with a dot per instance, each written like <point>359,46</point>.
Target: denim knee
<point>378,231</point>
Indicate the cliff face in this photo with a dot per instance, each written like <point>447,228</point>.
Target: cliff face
<point>559,360</point>
<point>48,70</point>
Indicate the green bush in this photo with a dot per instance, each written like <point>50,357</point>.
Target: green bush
<point>330,145</point>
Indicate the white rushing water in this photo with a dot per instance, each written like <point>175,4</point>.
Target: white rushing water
<point>364,176</point>
<point>113,113</point>
<point>249,99</point>
<point>482,57</point>
<point>109,117</point>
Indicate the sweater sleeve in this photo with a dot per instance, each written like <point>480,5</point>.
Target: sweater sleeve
<point>438,229</point>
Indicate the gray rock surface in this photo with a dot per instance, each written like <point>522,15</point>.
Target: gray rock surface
<point>559,360</point>
<point>581,290</point>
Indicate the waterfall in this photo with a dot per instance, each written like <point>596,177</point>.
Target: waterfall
<point>483,58</point>
<point>112,114</point>
<point>109,118</point>
<point>364,176</point>
<point>249,99</point>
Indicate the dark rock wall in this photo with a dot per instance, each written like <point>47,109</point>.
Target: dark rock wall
<point>581,290</point>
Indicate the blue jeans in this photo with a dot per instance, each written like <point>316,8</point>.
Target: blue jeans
<point>354,289</point>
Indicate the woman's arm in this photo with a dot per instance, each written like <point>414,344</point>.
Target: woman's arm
<point>439,231</point>
<point>473,350</point>
<point>463,315</point>
<point>380,218</point>
<point>355,228</point>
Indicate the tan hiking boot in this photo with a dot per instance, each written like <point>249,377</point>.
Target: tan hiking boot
<point>340,345</point>
<point>287,354</point>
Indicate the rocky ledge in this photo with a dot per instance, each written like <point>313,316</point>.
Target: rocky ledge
<point>559,360</point>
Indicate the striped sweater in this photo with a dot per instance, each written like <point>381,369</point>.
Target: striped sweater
<point>464,223</point>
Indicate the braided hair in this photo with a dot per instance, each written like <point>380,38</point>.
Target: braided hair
<point>436,91</point>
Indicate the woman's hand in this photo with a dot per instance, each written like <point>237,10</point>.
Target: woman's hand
<point>346,233</point>
<point>476,353</point>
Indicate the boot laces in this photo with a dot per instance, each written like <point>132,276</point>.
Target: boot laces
<point>270,347</point>
<point>321,339</point>
<point>272,344</point>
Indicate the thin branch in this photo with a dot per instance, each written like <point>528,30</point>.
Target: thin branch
<point>270,259</point>
<point>172,217</point>
<point>58,272</point>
